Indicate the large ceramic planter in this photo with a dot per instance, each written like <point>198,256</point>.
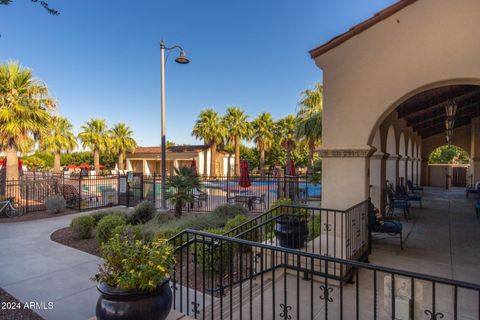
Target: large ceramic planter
<point>123,304</point>
<point>291,233</point>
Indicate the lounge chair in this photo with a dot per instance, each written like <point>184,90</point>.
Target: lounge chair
<point>413,187</point>
<point>396,203</point>
<point>389,227</point>
<point>73,198</point>
<point>402,194</point>
<point>475,189</point>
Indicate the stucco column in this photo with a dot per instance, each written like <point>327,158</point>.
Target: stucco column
<point>424,179</point>
<point>345,179</point>
<point>378,179</point>
<point>475,149</point>
<point>392,168</point>
<point>129,165</point>
<point>146,169</point>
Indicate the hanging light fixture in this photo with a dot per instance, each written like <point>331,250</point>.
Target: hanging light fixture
<point>449,123</point>
<point>451,109</point>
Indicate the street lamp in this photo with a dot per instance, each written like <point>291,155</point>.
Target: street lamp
<point>181,59</point>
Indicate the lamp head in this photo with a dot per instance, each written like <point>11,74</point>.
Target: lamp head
<point>182,58</point>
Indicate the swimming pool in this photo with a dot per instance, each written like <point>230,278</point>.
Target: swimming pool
<point>313,190</point>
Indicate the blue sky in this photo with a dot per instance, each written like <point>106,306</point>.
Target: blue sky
<point>101,58</point>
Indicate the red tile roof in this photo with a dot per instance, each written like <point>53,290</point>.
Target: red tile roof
<point>158,150</point>
<point>359,28</point>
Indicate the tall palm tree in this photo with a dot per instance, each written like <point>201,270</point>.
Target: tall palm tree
<point>25,111</point>
<point>263,135</point>
<point>94,136</point>
<point>59,138</point>
<point>209,128</point>
<point>238,128</point>
<point>286,127</point>
<point>122,142</point>
<point>309,120</point>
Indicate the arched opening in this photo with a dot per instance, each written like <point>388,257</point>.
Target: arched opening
<point>449,165</point>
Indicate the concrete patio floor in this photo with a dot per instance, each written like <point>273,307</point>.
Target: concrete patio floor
<point>442,239</point>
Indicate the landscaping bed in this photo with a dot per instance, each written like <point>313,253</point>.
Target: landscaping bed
<point>65,237</point>
<point>6,312</point>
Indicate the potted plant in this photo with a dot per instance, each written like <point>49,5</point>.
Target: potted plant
<point>134,279</point>
<point>291,228</point>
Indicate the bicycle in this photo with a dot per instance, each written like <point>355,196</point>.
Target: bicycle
<point>7,208</point>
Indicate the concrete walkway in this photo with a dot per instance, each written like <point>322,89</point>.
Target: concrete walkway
<point>442,239</point>
<point>35,269</point>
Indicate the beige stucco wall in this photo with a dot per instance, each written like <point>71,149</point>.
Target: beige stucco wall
<point>427,44</point>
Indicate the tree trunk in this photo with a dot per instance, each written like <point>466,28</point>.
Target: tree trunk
<point>121,161</point>
<point>288,159</point>
<point>56,162</point>
<point>96,160</point>
<point>237,156</point>
<point>213,159</point>
<point>262,162</point>
<point>12,164</point>
<point>178,208</point>
<point>311,152</point>
<point>12,188</point>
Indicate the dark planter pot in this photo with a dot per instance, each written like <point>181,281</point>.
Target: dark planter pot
<point>124,304</point>
<point>291,233</point>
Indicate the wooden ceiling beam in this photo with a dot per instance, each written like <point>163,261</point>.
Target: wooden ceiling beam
<point>441,126</point>
<point>465,109</point>
<point>428,109</point>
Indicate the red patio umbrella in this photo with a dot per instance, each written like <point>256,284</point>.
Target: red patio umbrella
<point>101,166</point>
<point>4,163</point>
<point>193,166</point>
<point>72,166</point>
<point>291,168</point>
<point>244,175</point>
<point>84,166</point>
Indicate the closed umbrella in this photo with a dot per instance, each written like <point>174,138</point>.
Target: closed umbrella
<point>244,175</point>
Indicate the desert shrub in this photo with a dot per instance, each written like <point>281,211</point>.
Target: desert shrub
<point>161,218</point>
<point>165,233</point>
<point>228,211</point>
<point>196,222</point>
<point>235,222</point>
<point>97,216</point>
<point>143,212</point>
<point>128,232</point>
<point>82,227</point>
<point>314,227</point>
<point>214,256</point>
<point>107,225</point>
<point>56,204</point>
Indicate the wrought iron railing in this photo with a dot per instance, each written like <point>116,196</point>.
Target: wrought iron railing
<point>219,277</point>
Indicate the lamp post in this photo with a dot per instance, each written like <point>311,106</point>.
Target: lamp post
<point>181,59</point>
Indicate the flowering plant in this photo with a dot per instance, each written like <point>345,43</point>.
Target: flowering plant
<point>132,264</point>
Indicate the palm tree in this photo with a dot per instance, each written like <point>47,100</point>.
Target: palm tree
<point>94,136</point>
<point>25,107</point>
<point>122,142</point>
<point>59,138</point>
<point>209,128</point>
<point>263,136</point>
<point>238,128</point>
<point>286,133</point>
<point>309,120</point>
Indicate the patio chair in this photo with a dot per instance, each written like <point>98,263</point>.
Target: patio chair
<point>200,198</point>
<point>402,194</point>
<point>475,189</point>
<point>246,201</point>
<point>396,203</point>
<point>259,201</point>
<point>413,187</point>
<point>72,196</point>
<point>378,225</point>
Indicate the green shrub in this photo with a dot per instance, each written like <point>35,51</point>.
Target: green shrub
<point>235,222</point>
<point>165,233</point>
<point>107,225</point>
<point>143,212</point>
<point>82,227</point>
<point>128,232</point>
<point>214,257</point>
<point>97,216</point>
<point>131,264</point>
<point>314,227</point>
<point>228,211</point>
<point>218,231</point>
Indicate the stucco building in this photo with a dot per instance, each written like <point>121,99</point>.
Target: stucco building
<point>148,159</point>
<point>387,82</point>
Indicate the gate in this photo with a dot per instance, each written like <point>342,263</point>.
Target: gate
<point>459,176</point>
<point>130,191</point>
